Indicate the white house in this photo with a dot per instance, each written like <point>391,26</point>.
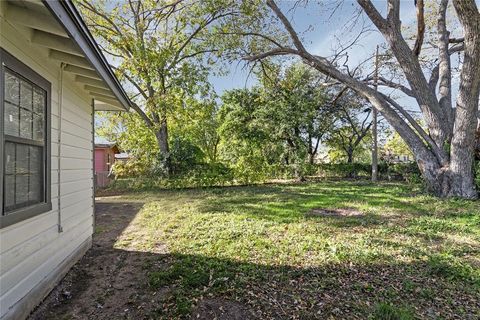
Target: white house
<point>53,77</point>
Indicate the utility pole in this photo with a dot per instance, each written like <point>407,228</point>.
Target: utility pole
<point>374,127</point>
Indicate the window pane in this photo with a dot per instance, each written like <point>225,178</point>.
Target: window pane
<point>38,101</point>
<point>9,191</point>
<point>21,189</point>
<point>35,188</point>
<point>12,88</point>
<point>10,158</point>
<point>22,159</point>
<point>38,127</point>
<point>24,109</point>
<point>26,94</point>
<point>36,161</point>
<point>11,120</point>
<point>26,124</point>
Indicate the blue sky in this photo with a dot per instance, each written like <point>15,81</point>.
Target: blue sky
<point>320,31</point>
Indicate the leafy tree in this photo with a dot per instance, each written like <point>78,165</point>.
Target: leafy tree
<point>162,50</point>
<point>132,135</point>
<point>298,107</point>
<point>285,117</point>
<point>395,146</point>
<point>198,121</point>
<point>352,126</point>
<point>245,142</point>
<point>444,152</point>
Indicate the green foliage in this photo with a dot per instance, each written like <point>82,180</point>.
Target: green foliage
<point>349,138</point>
<point>387,311</point>
<point>394,147</point>
<point>449,267</point>
<point>343,170</point>
<point>131,168</point>
<point>198,122</point>
<point>184,155</point>
<point>131,134</point>
<point>406,171</point>
<point>163,52</point>
<point>477,175</point>
<point>277,123</point>
<point>200,175</point>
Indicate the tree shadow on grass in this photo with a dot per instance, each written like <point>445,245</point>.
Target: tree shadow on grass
<point>285,203</point>
<point>111,283</point>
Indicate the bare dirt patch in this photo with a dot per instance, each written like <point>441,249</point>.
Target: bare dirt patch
<point>220,309</point>
<point>340,212</point>
<point>106,283</point>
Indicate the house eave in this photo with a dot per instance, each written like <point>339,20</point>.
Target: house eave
<point>68,16</point>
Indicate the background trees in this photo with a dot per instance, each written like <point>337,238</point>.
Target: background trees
<point>445,151</point>
<point>351,133</point>
<point>165,52</point>
<point>162,50</point>
<point>286,116</point>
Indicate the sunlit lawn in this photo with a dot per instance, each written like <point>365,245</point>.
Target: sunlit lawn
<point>402,254</point>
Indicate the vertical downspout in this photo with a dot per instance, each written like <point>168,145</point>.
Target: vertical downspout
<point>94,186</point>
<point>59,146</point>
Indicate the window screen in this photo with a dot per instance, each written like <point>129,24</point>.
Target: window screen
<point>24,132</point>
<point>24,147</point>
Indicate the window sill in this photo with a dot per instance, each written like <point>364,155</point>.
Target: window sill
<point>24,213</point>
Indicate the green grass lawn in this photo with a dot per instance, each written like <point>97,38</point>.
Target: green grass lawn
<point>400,254</point>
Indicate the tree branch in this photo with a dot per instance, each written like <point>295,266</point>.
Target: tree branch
<point>293,35</point>
<point>438,152</point>
<point>420,27</point>
<point>373,14</point>
<point>143,115</point>
<point>393,85</point>
<point>444,66</point>
<point>321,64</point>
<point>273,52</point>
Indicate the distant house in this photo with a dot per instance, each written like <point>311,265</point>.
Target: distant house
<point>104,159</point>
<point>122,157</point>
<point>53,78</point>
<point>392,157</point>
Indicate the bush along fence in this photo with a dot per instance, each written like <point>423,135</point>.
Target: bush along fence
<point>129,176</point>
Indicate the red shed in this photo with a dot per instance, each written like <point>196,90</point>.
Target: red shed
<point>104,159</point>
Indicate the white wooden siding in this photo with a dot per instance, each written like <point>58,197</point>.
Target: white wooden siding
<point>31,249</point>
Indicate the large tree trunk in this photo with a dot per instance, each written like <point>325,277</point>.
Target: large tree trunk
<point>350,156</point>
<point>447,173</point>
<point>463,142</point>
<point>162,140</point>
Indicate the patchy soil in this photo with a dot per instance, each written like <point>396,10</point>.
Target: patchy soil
<point>220,309</point>
<point>341,212</point>
<point>109,283</point>
<point>106,283</point>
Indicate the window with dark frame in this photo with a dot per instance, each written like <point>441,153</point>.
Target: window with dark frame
<point>25,135</point>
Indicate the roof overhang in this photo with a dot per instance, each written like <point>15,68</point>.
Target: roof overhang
<point>112,146</point>
<point>58,26</point>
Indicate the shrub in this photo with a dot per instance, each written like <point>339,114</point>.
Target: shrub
<point>343,170</point>
<point>130,168</point>
<point>183,156</point>
<point>403,171</point>
<point>477,175</point>
<point>200,175</point>
<point>251,169</point>
<point>247,170</point>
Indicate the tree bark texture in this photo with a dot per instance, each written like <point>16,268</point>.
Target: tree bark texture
<point>445,152</point>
